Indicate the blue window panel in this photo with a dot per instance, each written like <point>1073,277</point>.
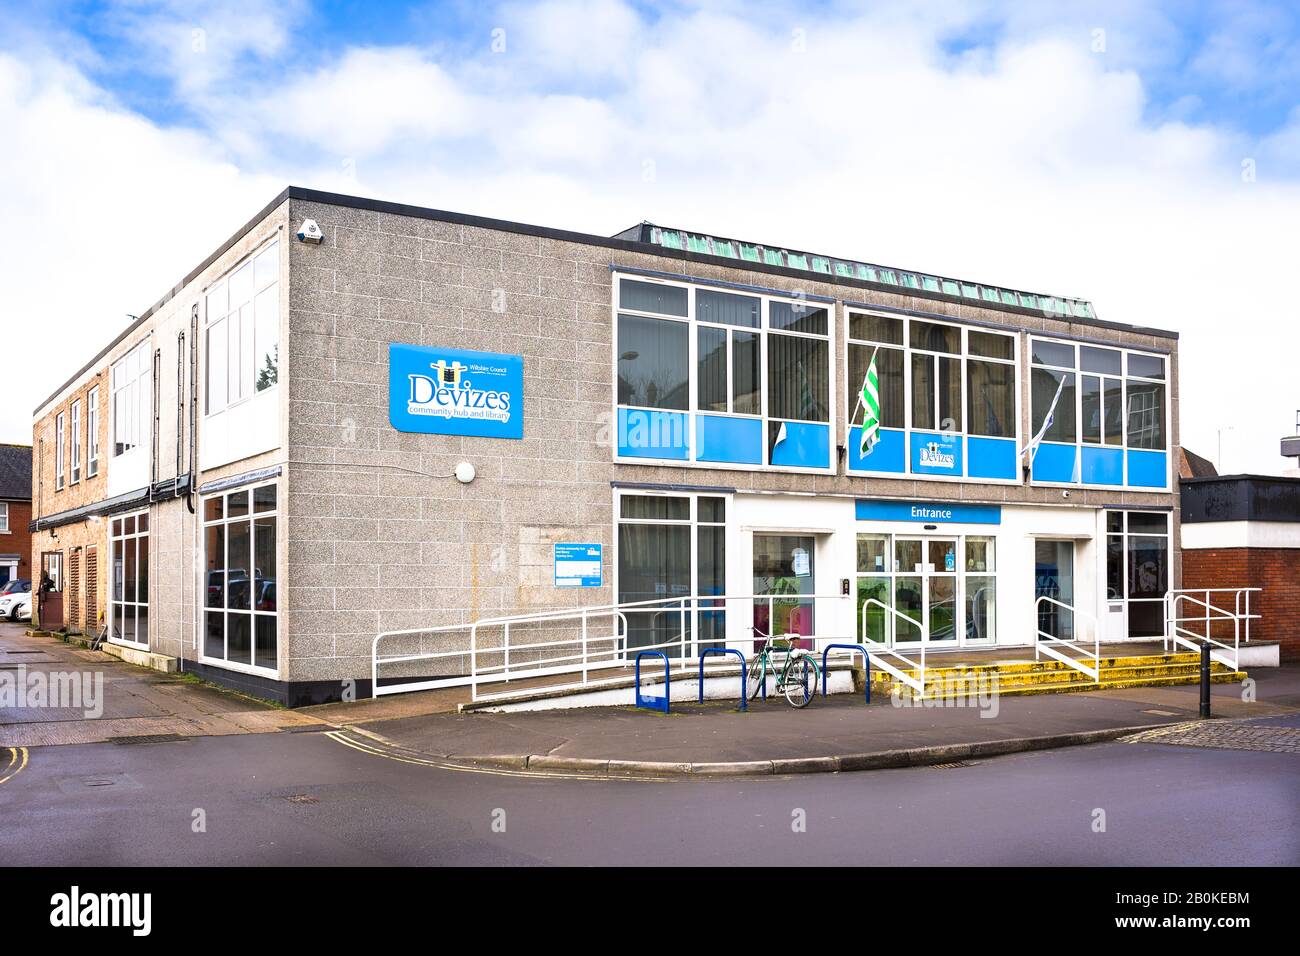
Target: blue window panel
<point>1054,462</point>
<point>643,433</point>
<point>888,454</point>
<point>936,453</point>
<point>1103,466</point>
<point>991,457</point>
<point>806,445</point>
<point>1147,469</point>
<point>723,438</point>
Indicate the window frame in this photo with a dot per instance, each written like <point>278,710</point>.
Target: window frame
<point>1124,379</point>
<point>134,537</point>
<point>693,522</point>
<point>965,357</point>
<point>4,517</point>
<point>249,389</point>
<point>763,330</point>
<point>59,459</point>
<point>92,432</point>
<point>136,390</point>
<point>202,609</point>
<point>75,443</point>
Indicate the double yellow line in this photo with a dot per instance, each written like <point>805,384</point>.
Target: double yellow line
<point>17,762</point>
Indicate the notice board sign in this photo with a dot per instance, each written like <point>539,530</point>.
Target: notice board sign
<point>578,565</point>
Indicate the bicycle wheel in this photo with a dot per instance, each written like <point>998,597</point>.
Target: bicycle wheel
<point>754,676</point>
<point>800,681</point>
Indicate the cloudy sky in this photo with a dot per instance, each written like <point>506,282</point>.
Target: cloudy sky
<point>1142,155</point>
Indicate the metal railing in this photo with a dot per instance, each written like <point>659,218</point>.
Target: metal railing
<point>1175,633</point>
<point>1051,644</point>
<point>592,641</point>
<point>892,615</point>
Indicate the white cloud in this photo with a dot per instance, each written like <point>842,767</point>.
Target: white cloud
<point>1032,163</point>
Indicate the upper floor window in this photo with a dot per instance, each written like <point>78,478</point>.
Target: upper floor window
<point>59,435</point>
<point>92,433</point>
<point>1106,403</point>
<point>243,331</point>
<point>4,517</point>
<point>722,376</point>
<point>131,380</point>
<point>939,385</point>
<point>76,441</point>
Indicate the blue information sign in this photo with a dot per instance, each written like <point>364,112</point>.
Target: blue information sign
<point>438,391</point>
<point>577,565</point>
<point>929,512</point>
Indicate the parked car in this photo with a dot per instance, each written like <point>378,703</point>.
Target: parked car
<point>15,586</point>
<point>16,605</point>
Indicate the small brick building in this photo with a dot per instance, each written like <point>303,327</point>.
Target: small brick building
<point>1244,531</point>
<point>15,512</point>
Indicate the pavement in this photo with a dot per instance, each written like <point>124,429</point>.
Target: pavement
<point>837,733</point>
<point>832,734</point>
<point>135,703</point>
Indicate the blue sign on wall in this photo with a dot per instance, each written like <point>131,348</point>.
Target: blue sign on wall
<point>577,565</point>
<point>438,391</point>
<point>936,453</point>
<point>929,512</point>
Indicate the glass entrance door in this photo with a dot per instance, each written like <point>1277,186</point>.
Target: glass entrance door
<point>925,589</point>
<point>1054,578</point>
<point>784,568</point>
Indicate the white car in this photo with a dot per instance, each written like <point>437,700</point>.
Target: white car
<point>16,606</point>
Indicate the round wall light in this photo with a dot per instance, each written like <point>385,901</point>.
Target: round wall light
<point>465,473</point>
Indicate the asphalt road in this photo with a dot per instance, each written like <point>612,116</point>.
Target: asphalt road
<point>305,798</point>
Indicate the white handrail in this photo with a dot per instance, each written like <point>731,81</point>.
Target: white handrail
<point>1044,641</point>
<point>581,662</point>
<point>1228,655</point>
<point>917,683</point>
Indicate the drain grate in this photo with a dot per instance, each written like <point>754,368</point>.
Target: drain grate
<point>953,764</point>
<point>302,798</point>
<point>148,739</point>
<point>309,729</point>
<point>1161,713</point>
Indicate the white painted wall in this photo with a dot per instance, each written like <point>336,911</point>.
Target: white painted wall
<point>240,431</point>
<point>1241,534</point>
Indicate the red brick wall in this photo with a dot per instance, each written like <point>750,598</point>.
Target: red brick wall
<point>1276,570</point>
<point>19,539</point>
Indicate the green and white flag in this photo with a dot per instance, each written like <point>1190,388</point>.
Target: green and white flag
<point>870,401</point>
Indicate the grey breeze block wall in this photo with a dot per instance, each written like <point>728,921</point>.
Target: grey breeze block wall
<point>381,537</point>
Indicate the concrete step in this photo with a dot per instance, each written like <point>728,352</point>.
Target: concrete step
<point>1083,684</point>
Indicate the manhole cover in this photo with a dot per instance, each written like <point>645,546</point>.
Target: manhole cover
<point>98,782</point>
<point>1161,713</point>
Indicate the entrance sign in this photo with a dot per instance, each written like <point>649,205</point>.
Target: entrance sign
<point>928,512</point>
<point>577,565</point>
<point>439,391</point>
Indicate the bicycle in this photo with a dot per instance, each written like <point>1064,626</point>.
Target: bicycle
<point>798,677</point>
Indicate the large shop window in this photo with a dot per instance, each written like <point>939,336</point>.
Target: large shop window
<point>243,331</point>
<point>240,616</point>
<point>672,548</point>
<point>131,379</point>
<point>947,398</point>
<point>936,588</point>
<point>1137,568</point>
<point>129,596</point>
<point>1108,415</point>
<point>715,377</point>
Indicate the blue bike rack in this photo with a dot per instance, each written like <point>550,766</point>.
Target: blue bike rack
<point>744,703</point>
<point>653,703</point>
<point>848,647</point>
